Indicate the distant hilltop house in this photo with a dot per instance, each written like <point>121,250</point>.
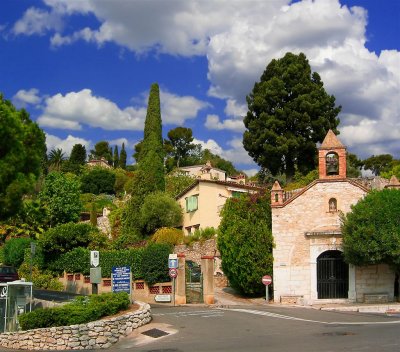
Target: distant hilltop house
<point>102,162</point>
<point>208,172</point>
<point>203,200</point>
<point>308,256</point>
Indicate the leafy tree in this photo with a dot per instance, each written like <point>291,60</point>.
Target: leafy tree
<point>245,242</point>
<point>102,149</point>
<point>121,178</point>
<point>78,154</point>
<point>289,111</point>
<point>98,180</point>
<point>395,170</point>
<point>378,163</point>
<point>63,238</point>
<point>371,231</point>
<point>175,184</point>
<point>115,157</point>
<point>60,197</point>
<point>159,210</point>
<point>14,250</point>
<point>56,158</point>
<point>180,139</point>
<point>354,165</point>
<point>122,157</point>
<point>22,148</point>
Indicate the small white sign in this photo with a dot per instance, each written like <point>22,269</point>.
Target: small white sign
<point>162,298</point>
<point>94,258</point>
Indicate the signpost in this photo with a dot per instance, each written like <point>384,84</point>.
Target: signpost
<point>173,270</point>
<point>95,270</point>
<point>266,280</point>
<point>121,279</point>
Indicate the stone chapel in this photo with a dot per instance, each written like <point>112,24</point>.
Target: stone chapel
<point>308,259</point>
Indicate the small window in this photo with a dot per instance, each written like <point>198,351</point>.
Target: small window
<point>192,203</point>
<point>276,198</point>
<point>332,205</point>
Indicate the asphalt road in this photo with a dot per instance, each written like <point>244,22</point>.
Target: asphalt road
<point>262,328</point>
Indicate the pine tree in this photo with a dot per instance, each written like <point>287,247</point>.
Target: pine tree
<point>78,154</point>
<point>122,157</point>
<point>116,157</point>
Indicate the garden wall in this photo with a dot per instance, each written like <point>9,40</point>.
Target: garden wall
<point>80,284</point>
<point>93,335</point>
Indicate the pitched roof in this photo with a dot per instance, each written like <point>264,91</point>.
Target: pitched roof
<point>331,141</point>
<point>276,186</point>
<point>223,183</point>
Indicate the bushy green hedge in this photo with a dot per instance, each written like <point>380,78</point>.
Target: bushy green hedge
<point>149,263</point>
<point>82,310</point>
<point>14,250</point>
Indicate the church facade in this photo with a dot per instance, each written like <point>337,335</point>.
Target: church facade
<point>308,258</point>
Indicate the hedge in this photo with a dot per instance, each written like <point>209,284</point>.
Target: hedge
<point>148,263</point>
<point>81,310</point>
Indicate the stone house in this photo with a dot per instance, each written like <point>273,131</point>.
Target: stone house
<point>203,200</point>
<point>308,259</point>
<point>102,162</point>
<point>208,172</point>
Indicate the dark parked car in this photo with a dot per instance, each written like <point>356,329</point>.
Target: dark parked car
<point>8,273</point>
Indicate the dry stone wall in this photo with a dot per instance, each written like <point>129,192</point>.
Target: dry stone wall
<point>93,335</point>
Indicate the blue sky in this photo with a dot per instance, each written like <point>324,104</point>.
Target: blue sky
<point>83,68</point>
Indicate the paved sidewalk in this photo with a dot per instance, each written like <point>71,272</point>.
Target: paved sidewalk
<point>227,296</point>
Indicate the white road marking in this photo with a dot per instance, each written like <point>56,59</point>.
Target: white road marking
<point>280,316</point>
<point>202,313</point>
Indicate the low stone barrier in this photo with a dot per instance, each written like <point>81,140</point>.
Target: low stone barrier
<point>93,335</point>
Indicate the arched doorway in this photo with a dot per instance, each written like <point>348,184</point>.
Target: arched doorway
<point>332,275</point>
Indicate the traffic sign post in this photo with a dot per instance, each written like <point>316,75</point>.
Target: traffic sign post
<point>173,273</point>
<point>266,280</point>
<point>173,261</point>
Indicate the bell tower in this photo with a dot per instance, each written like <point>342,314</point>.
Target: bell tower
<point>332,158</point>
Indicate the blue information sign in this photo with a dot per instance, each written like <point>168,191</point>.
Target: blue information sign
<point>121,279</point>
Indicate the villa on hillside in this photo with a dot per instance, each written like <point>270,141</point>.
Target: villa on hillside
<point>208,172</point>
<point>102,162</point>
<point>308,260</point>
<point>203,200</point>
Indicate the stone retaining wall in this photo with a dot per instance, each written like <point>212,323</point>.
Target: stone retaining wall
<point>93,335</point>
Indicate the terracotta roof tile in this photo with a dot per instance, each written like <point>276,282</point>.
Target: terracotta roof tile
<point>331,141</point>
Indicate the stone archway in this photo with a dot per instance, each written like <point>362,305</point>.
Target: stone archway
<point>332,275</point>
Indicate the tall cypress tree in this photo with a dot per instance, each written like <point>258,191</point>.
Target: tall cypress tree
<point>116,157</point>
<point>150,172</point>
<point>122,157</point>
<point>151,161</point>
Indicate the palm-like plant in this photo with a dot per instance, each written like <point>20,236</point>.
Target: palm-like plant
<point>56,157</point>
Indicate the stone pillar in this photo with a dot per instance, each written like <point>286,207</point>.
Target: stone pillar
<point>180,281</point>
<point>207,269</point>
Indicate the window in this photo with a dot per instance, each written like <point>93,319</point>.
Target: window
<point>276,198</point>
<point>332,205</point>
<point>192,203</point>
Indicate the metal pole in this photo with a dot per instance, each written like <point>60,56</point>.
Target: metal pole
<point>173,283</point>
<point>266,294</point>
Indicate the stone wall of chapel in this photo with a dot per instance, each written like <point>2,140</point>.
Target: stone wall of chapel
<point>374,279</point>
<point>308,212</point>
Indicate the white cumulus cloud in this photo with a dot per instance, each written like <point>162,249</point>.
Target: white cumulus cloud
<point>54,142</point>
<point>26,97</point>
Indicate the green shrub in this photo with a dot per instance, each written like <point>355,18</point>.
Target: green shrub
<point>168,235</point>
<point>45,280</point>
<point>155,263</point>
<point>98,180</point>
<point>14,250</point>
<point>63,238</point>
<point>82,310</point>
<point>200,235</point>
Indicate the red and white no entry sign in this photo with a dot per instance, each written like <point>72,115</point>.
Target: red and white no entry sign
<point>173,273</point>
<point>266,280</point>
